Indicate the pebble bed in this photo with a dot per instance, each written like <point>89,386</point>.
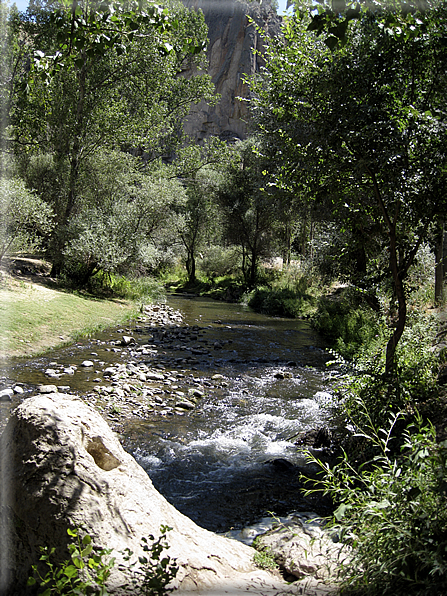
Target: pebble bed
<point>145,383</point>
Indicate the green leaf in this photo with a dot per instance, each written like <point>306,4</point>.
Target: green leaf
<point>87,550</point>
<point>71,571</point>
<point>341,510</point>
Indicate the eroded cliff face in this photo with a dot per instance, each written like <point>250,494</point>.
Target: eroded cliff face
<point>232,41</point>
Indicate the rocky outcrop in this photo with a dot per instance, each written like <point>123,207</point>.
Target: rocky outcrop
<point>232,42</point>
<point>62,466</point>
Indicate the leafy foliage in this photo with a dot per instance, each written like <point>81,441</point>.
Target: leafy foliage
<point>128,222</point>
<point>283,302</point>
<point>88,570</point>
<point>217,261</point>
<point>414,382</point>
<point>105,76</point>
<point>361,131</point>
<point>249,208</point>
<point>153,573</point>
<point>347,322</point>
<point>392,512</point>
<point>25,219</point>
<point>265,560</point>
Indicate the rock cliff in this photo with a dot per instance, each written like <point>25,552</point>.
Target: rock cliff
<point>232,41</point>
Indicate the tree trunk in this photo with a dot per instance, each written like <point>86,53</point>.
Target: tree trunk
<point>57,256</point>
<point>191,267</point>
<point>397,276</point>
<point>441,265</point>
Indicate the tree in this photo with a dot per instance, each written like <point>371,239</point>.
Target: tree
<point>362,129</point>
<point>128,219</point>
<point>105,76</point>
<point>249,208</point>
<point>25,220</point>
<point>200,167</point>
<point>201,215</point>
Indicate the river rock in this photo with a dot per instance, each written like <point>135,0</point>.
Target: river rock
<point>47,389</point>
<point>185,405</point>
<point>87,363</point>
<point>53,374</point>
<point>61,465</point>
<point>152,376</point>
<point>302,550</point>
<point>6,394</point>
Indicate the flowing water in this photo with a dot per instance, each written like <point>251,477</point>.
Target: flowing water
<point>234,457</point>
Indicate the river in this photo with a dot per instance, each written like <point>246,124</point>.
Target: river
<point>233,458</point>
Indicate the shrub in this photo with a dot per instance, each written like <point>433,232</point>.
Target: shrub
<point>392,512</point>
<point>25,219</point>
<point>89,568</point>
<point>289,295</point>
<point>281,302</point>
<point>146,289</point>
<point>87,571</point>
<point>414,380</point>
<point>219,262</point>
<point>347,323</point>
<point>153,573</point>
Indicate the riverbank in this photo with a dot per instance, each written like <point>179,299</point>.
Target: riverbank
<point>36,314</point>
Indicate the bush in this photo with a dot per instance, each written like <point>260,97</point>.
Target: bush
<point>219,262</point>
<point>392,513</point>
<point>25,220</point>
<point>347,323</point>
<point>289,295</point>
<point>414,380</point>
<point>89,568</point>
<point>144,289</point>
<point>86,573</point>
<point>280,302</point>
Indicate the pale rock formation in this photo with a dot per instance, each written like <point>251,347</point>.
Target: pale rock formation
<point>232,41</point>
<point>304,550</point>
<point>61,466</point>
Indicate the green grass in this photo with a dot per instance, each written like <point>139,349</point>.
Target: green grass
<point>34,317</point>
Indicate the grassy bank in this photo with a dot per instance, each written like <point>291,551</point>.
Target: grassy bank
<point>36,316</point>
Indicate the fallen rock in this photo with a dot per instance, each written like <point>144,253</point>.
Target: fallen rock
<point>62,466</point>
<point>302,550</point>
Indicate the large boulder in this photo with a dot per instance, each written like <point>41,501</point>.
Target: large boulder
<point>62,466</point>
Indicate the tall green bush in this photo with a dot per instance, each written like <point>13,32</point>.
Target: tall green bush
<point>347,322</point>
<point>391,512</point>
<point>414,380</point>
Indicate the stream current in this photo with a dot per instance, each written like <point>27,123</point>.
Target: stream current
<point>234,458</point>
